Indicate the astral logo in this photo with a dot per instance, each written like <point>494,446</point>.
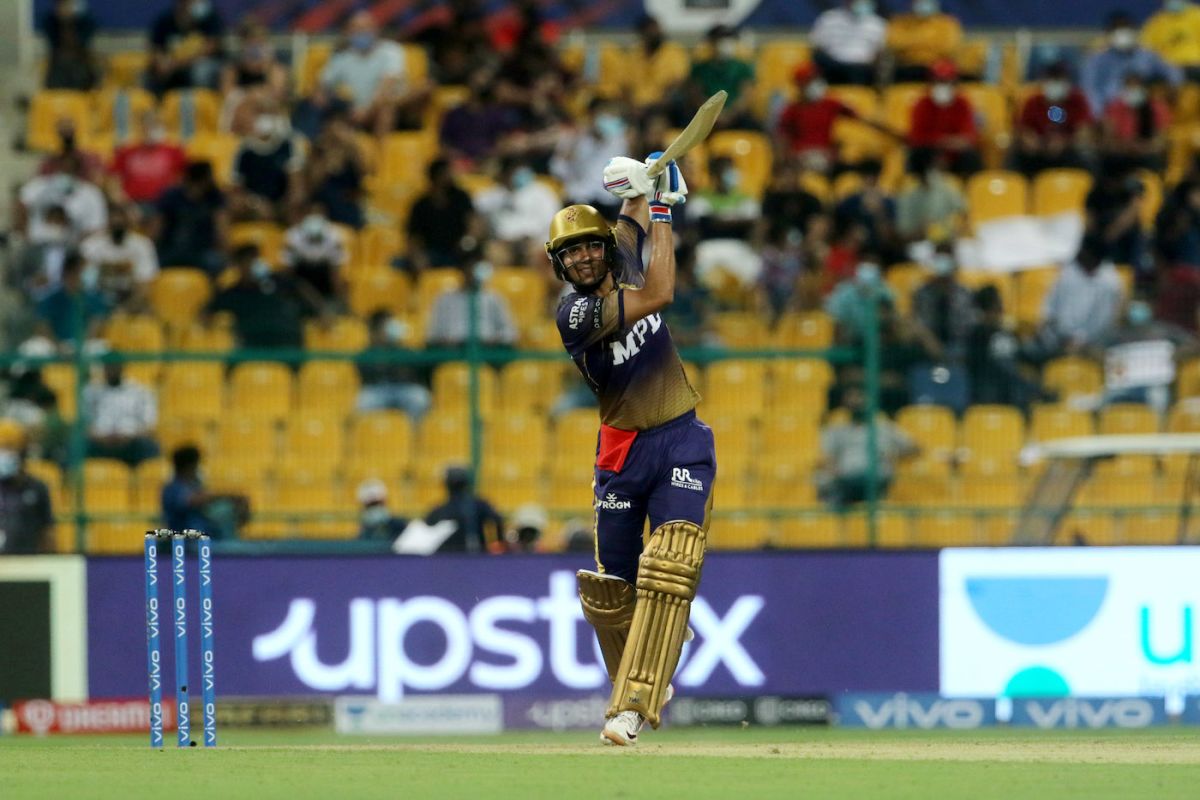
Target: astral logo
<point>377,657</point>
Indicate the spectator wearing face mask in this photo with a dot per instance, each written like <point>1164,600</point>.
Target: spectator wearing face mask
<point>848,41</point>
<point>26,518</point>
<point>440,220</point>
<point>932,208</point>
<point>805,127</point>
<point>376,521</point>
<point>265,170</point>
<point>1141,354</point>
<point>388,381</point>
<point>945,307</point>
<point>254,80</point>
<point>149,166</point>
<point>1134,130</point>
<point>191,222</point>
<point>724,71</point>
<point>71,65</point>
<point>943,121</point>
<point>1174,33</point>
<point>663,66</point>
<point>87,164</point>
<point>992,357</point>
<point>581,155</point>
<point>185,47</point>
<point>74,311</point>
<point>723,209</point>
<point>122,415</point>
<point>471,131</point>
<point>843,472</point>
<point>518,209</point>
<point>267,308</point>
<point>1103,75</point>
<point>1054,128</point>
<point>921,38</point>
<point>80,200</point>
<point>849,301</point>
<point>1083,306</point>
<point>449,321</point>
<point>124,259</point>
<point>314,252</point>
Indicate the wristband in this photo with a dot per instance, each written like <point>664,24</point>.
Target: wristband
<point>660,212</point>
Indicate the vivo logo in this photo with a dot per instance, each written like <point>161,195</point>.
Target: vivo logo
<point>902,710</point>
<point>377,658</point>
<point>206,619</point>
<point>1076,713</point>
<point>180,618</point>
<point>152,618</point>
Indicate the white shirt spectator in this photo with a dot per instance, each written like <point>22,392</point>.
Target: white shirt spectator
<point>449,319</point>
<point>1084,308</point>
<point>848,38</point>
<point>128,409</point>
<point>312,242</point>
<point>580,159</point>
<point>516,214</point>
<point>82,201</point>
<point>361,73</point>
<point>124,266</point>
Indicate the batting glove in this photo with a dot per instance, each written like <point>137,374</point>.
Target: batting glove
<point>626,178</point>
<point>669,190</point>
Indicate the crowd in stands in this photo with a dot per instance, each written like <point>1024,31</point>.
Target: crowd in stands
<point>376,184</point>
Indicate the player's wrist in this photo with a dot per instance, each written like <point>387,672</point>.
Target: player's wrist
<point>660,212</point>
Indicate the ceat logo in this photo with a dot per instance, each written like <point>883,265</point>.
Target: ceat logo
<point>379,661</point>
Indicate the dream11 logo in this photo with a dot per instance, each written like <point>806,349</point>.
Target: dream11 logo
<point>377,659</point>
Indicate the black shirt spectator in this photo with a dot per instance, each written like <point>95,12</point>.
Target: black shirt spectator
<point>191,221</point>
<point>439,220</point>
<point>71,65</point>
<point>185,47</point>
<point>478,523</point>
<point>267,308</point>
<point>25,516</point>
<point>992,357</point>
<point>945,307</point>
<point>786,205</point>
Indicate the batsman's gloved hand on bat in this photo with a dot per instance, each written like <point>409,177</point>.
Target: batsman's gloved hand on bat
<point>670,189</point>
<point>626,178</point>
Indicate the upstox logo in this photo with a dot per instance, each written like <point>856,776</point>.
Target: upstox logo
<point>612,503</point>
<point>1111,622</point>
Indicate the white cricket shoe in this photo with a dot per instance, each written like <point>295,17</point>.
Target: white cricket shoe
<point>622,730</point>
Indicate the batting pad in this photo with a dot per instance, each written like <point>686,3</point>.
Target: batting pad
<point>608,607</point>
<point>668,574</point>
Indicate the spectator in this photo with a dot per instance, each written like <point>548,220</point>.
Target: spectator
<point>583,152</point>
<point>783,265</point>
<point>723,209</point>
<point>1174,34</point>
<point>943,121</point>
<point>372,74</point>
<point>334,173</point>
<point>66,189</point>
<point>124,260</point>
<point>1104,73</point>
<point>315,254</point>
<point>849,302</point>
<point>843,473</point>
<point>1134,130</point>
<point>805,127</point>
<point>253,81</point>
<point>267,308</point>
<point>1178,225</point>
<point>1157,346</point>
<point>388,380</point>
<point>33,404</point>
<point>71,64</point>
<point>1114,213</point>
<point>449,321</point>
<point>662,66</point>
<point>187,505</point>
<point>518,209</point>
<point>26,519</point>
<point>265,170</point>
<point>933,208</point>
<point>1083,306</point>
<point>723,70</point>
<point>1178,300</point>
<point>478,524</point>
<point>848,41</point>
<point>122,415</point>
<point>457,41</point>
<point>787,206</point>
<point>471,131</point>
<point>86,163</point>
<point>191,222</point>
<point>74,311</point>
<point>147,168</point>
<point>529,524</point>
<point>376,522</point>
<point>185,47</point>
<point>992,353</point>
<point>919,40</point>
<point>579,537</point>
<point>1054,126</point>
<point>872,208</point>
<point>440,220</point>
<point>945,307</point>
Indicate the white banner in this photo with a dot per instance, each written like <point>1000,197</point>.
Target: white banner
<point>1103,622</point>
<point>420,715</point>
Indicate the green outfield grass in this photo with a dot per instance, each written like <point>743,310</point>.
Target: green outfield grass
<point>737,764</point>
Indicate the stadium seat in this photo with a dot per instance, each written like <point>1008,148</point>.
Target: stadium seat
<point>444,438</point>
<point>380,441</point>
<point>125,69</point>
<point>530,386</point>
<point>976,279</point>
<point>898,102</point>
<point>856,140</point>
<point>798,385</point>
<point>1088,527</point>
<point>1150,528</point>
<point>1033,285</point>
<point>892,529</point>
<point>774,69</point>
<point>1184,417</point>
<point>933,428</point>
<point>993,431</point>
<point>995,194</point>
<point>178,294</point>
<point>308,499</point>
<point>518,440</point>
<point>341,335</point>
<point>404,161</point>
<point>904,280</point>
<point>378,245</point>
<point>61,379</point>
<point>921,482</point>
<point>452,388</point>
<point>218,149</point>
<point>989,494</point>
<point>735,387</point>
<point>148,479</point>
<point>525,291</point>
<point>1121,482</point>
<point>1051,422</point>
<point>741,330</point>
<point>1128,418</point>
<point>260,389</point>
<point>795,438</point>
<point>822,529</point>
<point>751,154</point>
<point>993,118</point>
<point>108,492</point>
<point>1060,191</point>
<point>247,440</point>
<point>432,284</point>
<point>327,388</point>
<point>1188,381</point>
<point>507,485</point>
<point>117,111</point>
<point>189,112</point>
<point>192,390</point>
<point>944,529</point>
<point>314,441</point>
<point>805,330</point>
<point>197,338</point>
<point>782,483</point>
<point>1072,376</point>
<point>739,532</point>
<point>383,289</point>
<point>174,432</point>
<point>570,494</point>
<point>734,439</point>
<point>46,109</point>
<point>267,235</point>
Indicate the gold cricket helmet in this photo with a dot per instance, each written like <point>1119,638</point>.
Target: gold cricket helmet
<point>12,435</point>
<point>575,223</point>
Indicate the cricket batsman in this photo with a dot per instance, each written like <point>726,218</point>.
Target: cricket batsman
<point>654,458</point>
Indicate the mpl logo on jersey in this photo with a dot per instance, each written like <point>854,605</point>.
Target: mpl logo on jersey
<point>1069,622</point>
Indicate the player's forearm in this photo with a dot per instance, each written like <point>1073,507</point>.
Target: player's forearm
<point>637,209</point>
<point>660,273</point>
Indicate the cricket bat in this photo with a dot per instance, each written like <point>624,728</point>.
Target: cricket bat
<point>696,131</point>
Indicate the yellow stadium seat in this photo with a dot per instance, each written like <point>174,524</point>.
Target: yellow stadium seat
<point>1050,422</point>
<point>807,330</point>
<point>341,335</point>
<point>197,338</point>
<point>741,330</point>
<point>975,279</point>
<point>856,140</point>
<point>1088,527</point>
<point>307,66</point>
<point>178,294</point>
<point>1121,482</point>
<point>1152,196</point>
<point>944,529</point>
<point>1184,418</point>
<point>175,432</point>
<point>1071,376</point>
<point>126,69</point>
<point>381,441</point>
<point>898,102</point>
<point>993,117</point>
<point>739,532</point>
<point>570,494</point>
<point>443,439</point>
<point>525,291</point>
<point>383,289</point>
<point>268,236</point>
<point>799,385</point>
<point>118,110</point>
<point>327,388</point>
<point>60,378</point>
<point>993,430</point>
<point>1128,418</point>
<point>452,388</point>
<point>734,440</point>
<point>1188,381</point>
<point>218,149</point>
<point>310,495</point>
<point>506,485</point>
<point>1060,191</point>
<point>247,440</point>
<point>933,428</point>
<point>193,390</point>
<point>891,529</point>
<point>780,483</point>
<point>377,246</point>
<point>990,495</point>
<point>751,154</point>
<point>995,194</point>
<point>433,283</point>
<point>188,112</point>
<point>644,87</point>
<point>148,479</point>
<point>735,388</point>
<point>135,333</point>
<point>904,280</point>
<point>314,442</point>
<point>1150,528</point>
<point>260,389</point>
<point>405,158</point>
<point>46,110</point>
<point>519,440</point>
<point>576,430</point>
<point>796,437</point>
<point>530,386</point>
<point>921,482</point>
<point>821,529</point>
<point>108,493</point>
<point>695,376</point>
<point>1033,285</point>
